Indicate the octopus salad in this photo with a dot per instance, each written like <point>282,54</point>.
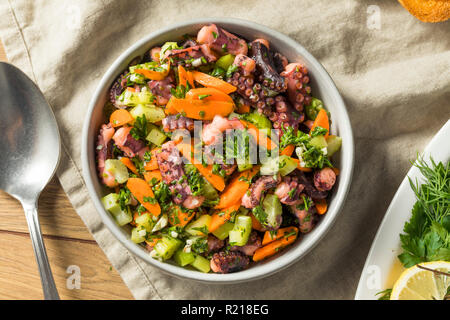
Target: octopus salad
<point>231,206</point>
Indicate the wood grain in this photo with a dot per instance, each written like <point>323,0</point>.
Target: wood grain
<point>68,243</point>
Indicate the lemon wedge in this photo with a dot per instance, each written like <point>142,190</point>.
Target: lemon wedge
<point>420,283</point>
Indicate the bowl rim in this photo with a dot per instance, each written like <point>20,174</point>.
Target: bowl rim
<point>290,256</point>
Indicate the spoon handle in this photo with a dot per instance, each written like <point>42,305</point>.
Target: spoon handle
<point>48,283</point>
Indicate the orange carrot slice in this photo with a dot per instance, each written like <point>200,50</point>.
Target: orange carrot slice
<point>184,77</point>
<point>150,175</point>
<point>288,150</point>
<point>199,109</point>
<point>153,163</point>
<point>321,206</point>
<point>141,190</point>
<point>208,94</point>
<point>219,218</point>
<point>273,247</point>
<point>322,121</point>
<point>237,188</point>
<point>178,217</point>
<point>207,172</point>
<point>120,117</point>
<point>154,75</point>
<point>254,131</point>
<point>152,241</point>
<point>213,82</point>
<point>130,165</point>
<point>268,237</point>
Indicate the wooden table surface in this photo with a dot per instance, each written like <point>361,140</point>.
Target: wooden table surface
<point>68,243</point>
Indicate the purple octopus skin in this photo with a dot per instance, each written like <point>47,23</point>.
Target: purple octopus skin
<point>215,244</point>
<point>133,144</point>
<point>254,242</point>
<point>161,89</point>
<point>221,40</point>
<point>289,191</point>
<point>177,122</point>
<point>104,146</point>
<point>284,116</point>
<point>306,219</point>
<point>269,76</point>
<point>227,262</point>
<point>324,179</point>
<point>117,88</point>
<point>185,56</point>
<point>280,62</point>
<point>310,189</point>
<point>171,168</point>
<point>253,197</point>
<point>298,88</point>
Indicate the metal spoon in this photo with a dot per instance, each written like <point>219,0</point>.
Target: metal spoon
<point>29,154</point>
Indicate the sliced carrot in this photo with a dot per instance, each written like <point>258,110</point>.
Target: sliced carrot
<point>268,237</point>
<point>243,108</point>
<point>254,131</point>
<point>336,171</point>
<point>237,188</point>
<point>213,82</point>
<point>150,175</point>
<point>178,217</point>
<point>321,206</point>
<point>288,150</point>
<point>120,117</point>
<point>219,218</point>
<point>141,190</point>
<point>153,163</point>
<point>130,165</point>
<point>207,172</point>
<point>256,224</point>
<point>208,94</point>
<point>131,89</point>
<point>304,169</point>
<point>169,110</point>
<point>184,78</point>
<point>154,75</point>
<point>199,109</point>
<point>273,248</point>
<point>322,121</point>
<point>190,78</point>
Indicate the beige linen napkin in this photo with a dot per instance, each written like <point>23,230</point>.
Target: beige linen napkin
<point>392,70</point>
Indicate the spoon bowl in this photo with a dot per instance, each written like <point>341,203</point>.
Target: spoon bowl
<point>29,153</point>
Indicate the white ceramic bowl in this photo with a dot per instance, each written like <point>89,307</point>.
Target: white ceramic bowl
<point>322,87</point>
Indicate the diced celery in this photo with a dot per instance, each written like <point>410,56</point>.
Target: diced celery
<point>225,61</point>
<point>197,227</point>
<point>243,211</point>
<point>117,169</point>
<point>241,231</point>
<point>162,223</point>
<point>138,234</point>
<point>168,46</point>
<point>223,231</point>
<point>152,113</point>
<point>272,207</point>
<point>286,165</point>
<point>111,203</point>
<point>313,109</point>
<point>123,217</point>
<point>202,264</point>
<point>282,164</point>
<point>156,137</point>
<point>244,166</point>
<point>334,144</point>
<point>319,142</point>
<point>209,192</point>
<point>259,120</point>
<point>132,98</point>
<point>234,115</point>
<point>137,78</point>
<point>145,220</point>
<point>183,258</point>
<point>166,247</point>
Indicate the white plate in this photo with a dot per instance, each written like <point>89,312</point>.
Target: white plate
<point>382,266</point>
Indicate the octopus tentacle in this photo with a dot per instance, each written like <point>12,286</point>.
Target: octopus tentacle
<point>298,88</point>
